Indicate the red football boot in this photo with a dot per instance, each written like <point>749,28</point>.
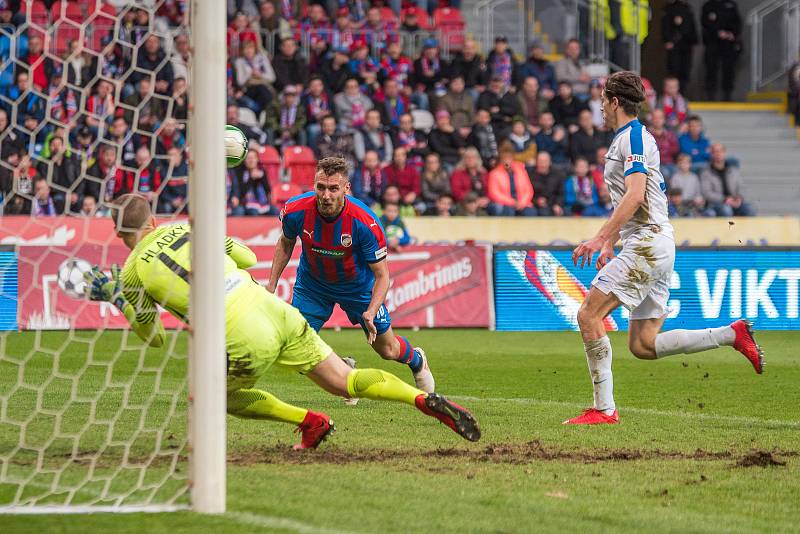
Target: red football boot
<point>746,344</point>
<point>592,416</point>
<point>316,427</point>
<point>449,413</point>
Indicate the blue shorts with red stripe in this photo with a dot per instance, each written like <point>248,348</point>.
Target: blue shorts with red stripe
<point>317,309</point>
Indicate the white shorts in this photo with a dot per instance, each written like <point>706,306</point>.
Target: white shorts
<point>640,275</point>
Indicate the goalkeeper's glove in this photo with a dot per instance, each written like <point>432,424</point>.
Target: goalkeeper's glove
<point>100,288</point>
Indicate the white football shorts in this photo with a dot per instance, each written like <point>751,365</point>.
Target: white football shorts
<point>640,274</point>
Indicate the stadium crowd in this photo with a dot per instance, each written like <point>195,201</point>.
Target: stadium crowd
<point>461,133</point>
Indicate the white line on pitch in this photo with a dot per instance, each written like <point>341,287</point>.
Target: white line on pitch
<point>268,521</point>
<point>648,411</point>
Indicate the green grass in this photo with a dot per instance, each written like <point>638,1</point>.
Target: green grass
<point>674,464</point>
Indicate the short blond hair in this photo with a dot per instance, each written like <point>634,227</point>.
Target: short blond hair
<point>130,213</point>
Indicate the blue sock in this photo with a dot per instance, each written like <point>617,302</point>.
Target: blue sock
<point>408,355</point>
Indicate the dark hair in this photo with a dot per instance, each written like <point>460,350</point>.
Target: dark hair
<point>316,77</point>
<point>691,118</point>
<point>506,147</point>
<point>333,165</point>
<point>628,89</point>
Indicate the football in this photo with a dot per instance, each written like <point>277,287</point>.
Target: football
<point>70,277</point>
<point>235,146</point>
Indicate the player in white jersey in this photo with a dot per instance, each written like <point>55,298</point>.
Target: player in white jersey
<point>638,278</point>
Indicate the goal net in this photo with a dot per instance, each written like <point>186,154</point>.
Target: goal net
<point>94,103</point>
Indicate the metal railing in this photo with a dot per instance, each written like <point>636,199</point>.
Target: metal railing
<point>774,41</point>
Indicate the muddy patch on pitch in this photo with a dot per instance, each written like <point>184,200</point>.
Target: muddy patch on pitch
<point>760,459</point>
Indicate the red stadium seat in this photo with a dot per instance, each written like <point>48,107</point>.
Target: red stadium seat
<point>38,13</point>
<point>423,19</point>
<point>447,16</point>
<point>63,9</point>
<point>271,161</point>
<point>388,14</point>
<point>61,34</point>
<point>282,192</point>
<point>300,164</point>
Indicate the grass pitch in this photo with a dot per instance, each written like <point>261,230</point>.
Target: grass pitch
<point>704,445</point>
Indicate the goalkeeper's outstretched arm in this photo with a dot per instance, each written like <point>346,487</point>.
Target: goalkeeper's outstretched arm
<point>241,254</point>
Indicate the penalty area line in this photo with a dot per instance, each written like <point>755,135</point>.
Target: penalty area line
<point>268,521</point>
<point>646,411</point>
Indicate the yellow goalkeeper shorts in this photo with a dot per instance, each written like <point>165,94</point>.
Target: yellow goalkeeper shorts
<point>262,330</point>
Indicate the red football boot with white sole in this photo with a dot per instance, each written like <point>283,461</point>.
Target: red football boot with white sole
<point>592,416</point>
<point>746,344</point>
<point>315,428</point>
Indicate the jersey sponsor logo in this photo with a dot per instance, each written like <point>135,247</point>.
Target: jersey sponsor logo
<point>347,240</point>
<point>380,253</point>
<point>328,253</point>
<point>636,158</point>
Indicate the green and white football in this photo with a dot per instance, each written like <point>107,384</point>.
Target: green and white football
<point>235,146</point>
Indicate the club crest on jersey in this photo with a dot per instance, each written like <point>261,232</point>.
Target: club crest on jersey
<point>347,240</point>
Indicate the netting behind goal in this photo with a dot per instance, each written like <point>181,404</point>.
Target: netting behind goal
<point>91,418</point>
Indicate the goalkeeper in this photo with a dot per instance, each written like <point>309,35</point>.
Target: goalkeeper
<point>260,328</point>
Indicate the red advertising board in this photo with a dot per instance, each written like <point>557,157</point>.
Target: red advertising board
<point>432,286</point>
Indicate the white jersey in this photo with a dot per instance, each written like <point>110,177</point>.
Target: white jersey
<point>634,150</point>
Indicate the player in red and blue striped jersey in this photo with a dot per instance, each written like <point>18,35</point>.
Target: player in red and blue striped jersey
<point>343,262</point>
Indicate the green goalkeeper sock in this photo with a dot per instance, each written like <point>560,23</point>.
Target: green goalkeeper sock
<point>379,385</point>
<point>257,404</point>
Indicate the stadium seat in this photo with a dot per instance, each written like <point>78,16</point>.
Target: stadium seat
<point>282,192</point>
<point>451,25</point>
<point>300,164</point>
<point>447,16</point>
<point>62,9</point>
<point>38,13</point>
<point>389,15</point>
<point>101,25</point>
<point>61,33</point>
<point>271,161</point>
<point>423,120</point>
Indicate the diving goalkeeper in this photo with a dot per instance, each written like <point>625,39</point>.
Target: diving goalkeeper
<point>260,328</point>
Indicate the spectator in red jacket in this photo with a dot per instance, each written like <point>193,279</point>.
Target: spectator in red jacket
<point>469,177</point>
<point>238,32</point>
<point>674,104</point>
<point>404,176</point>
<point>509,188</point>
<point>147,180</point>
<point>666,141</point>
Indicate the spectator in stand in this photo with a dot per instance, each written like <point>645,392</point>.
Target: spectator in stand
<point>151,108</point>
<point>316,27</point>
<point>391,103</point>
<point>484,138</point>
<point>20,185</point>
<point>254,189</point>
<point>373,137</point>
<point>89,208</point>
<point>404,176</point>
<point>352,105</point>
<point>508,186</point>
<point>104,179</point>
<point>539,68</point>
<point>289,66</point>
<point>151,60</point>
<point>12,140</point>
<point>80,64</point>
<point>39,66</point>
<point>549,186</point>
<point>470,65</point>
<point>62,99</point>
<point>501,62</point>
<point>26,102</point>
<point>100,106</point>
<point>572,70</point>
<point>180,100</point>
<point>253,133</point>
<point>336,71</point>
<point>501,104</point>
<point>435,183</point>
<point>414,141</point>
<point>565,107</point>
<point>470,206</point>
<point>369,179</point>
<point>362,66</point>
<point>531,103</point>
<point>84,148</point>
<point>694,142</point>
<point>45,204</point>
<point>333,142</point>
<point>394,65</point>
<point>392,195</point>
<point>443,206</point>
<point>585,141</point>
<point>286,119</point>
<point>396,233</point>
<point>175,194</point>
<point>691,202</point>
<point>377,29</point>
<point>113,62</point>
<point>317,103</point>
<point>679,32</point>
<point>63,171</point>
<point>343,33</point>
<point>181,56</point>
<point>469,177</point>
<point>581,196</point>
<point>666,141</point>
<point>552,139</point>
<point>721,184</point>
<point>428,74</point>
<point>121,136</point>
<point>459,104</point>
<point>239,32</point>
<point>446,141</point>
<point>272,26</point>
<point>595,104</point>
<point>233,192</point>
<point>169,136</point>
<point>146,181</point>
<point>673,104</point>
<point>722,27</point>
<point>523,142</point>
<point>254,76</point>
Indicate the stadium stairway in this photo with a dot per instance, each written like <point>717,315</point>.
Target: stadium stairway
<point>765,142</point>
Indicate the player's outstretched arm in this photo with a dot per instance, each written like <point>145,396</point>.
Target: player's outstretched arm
<point>241,254</point>
<point>283,253</point>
